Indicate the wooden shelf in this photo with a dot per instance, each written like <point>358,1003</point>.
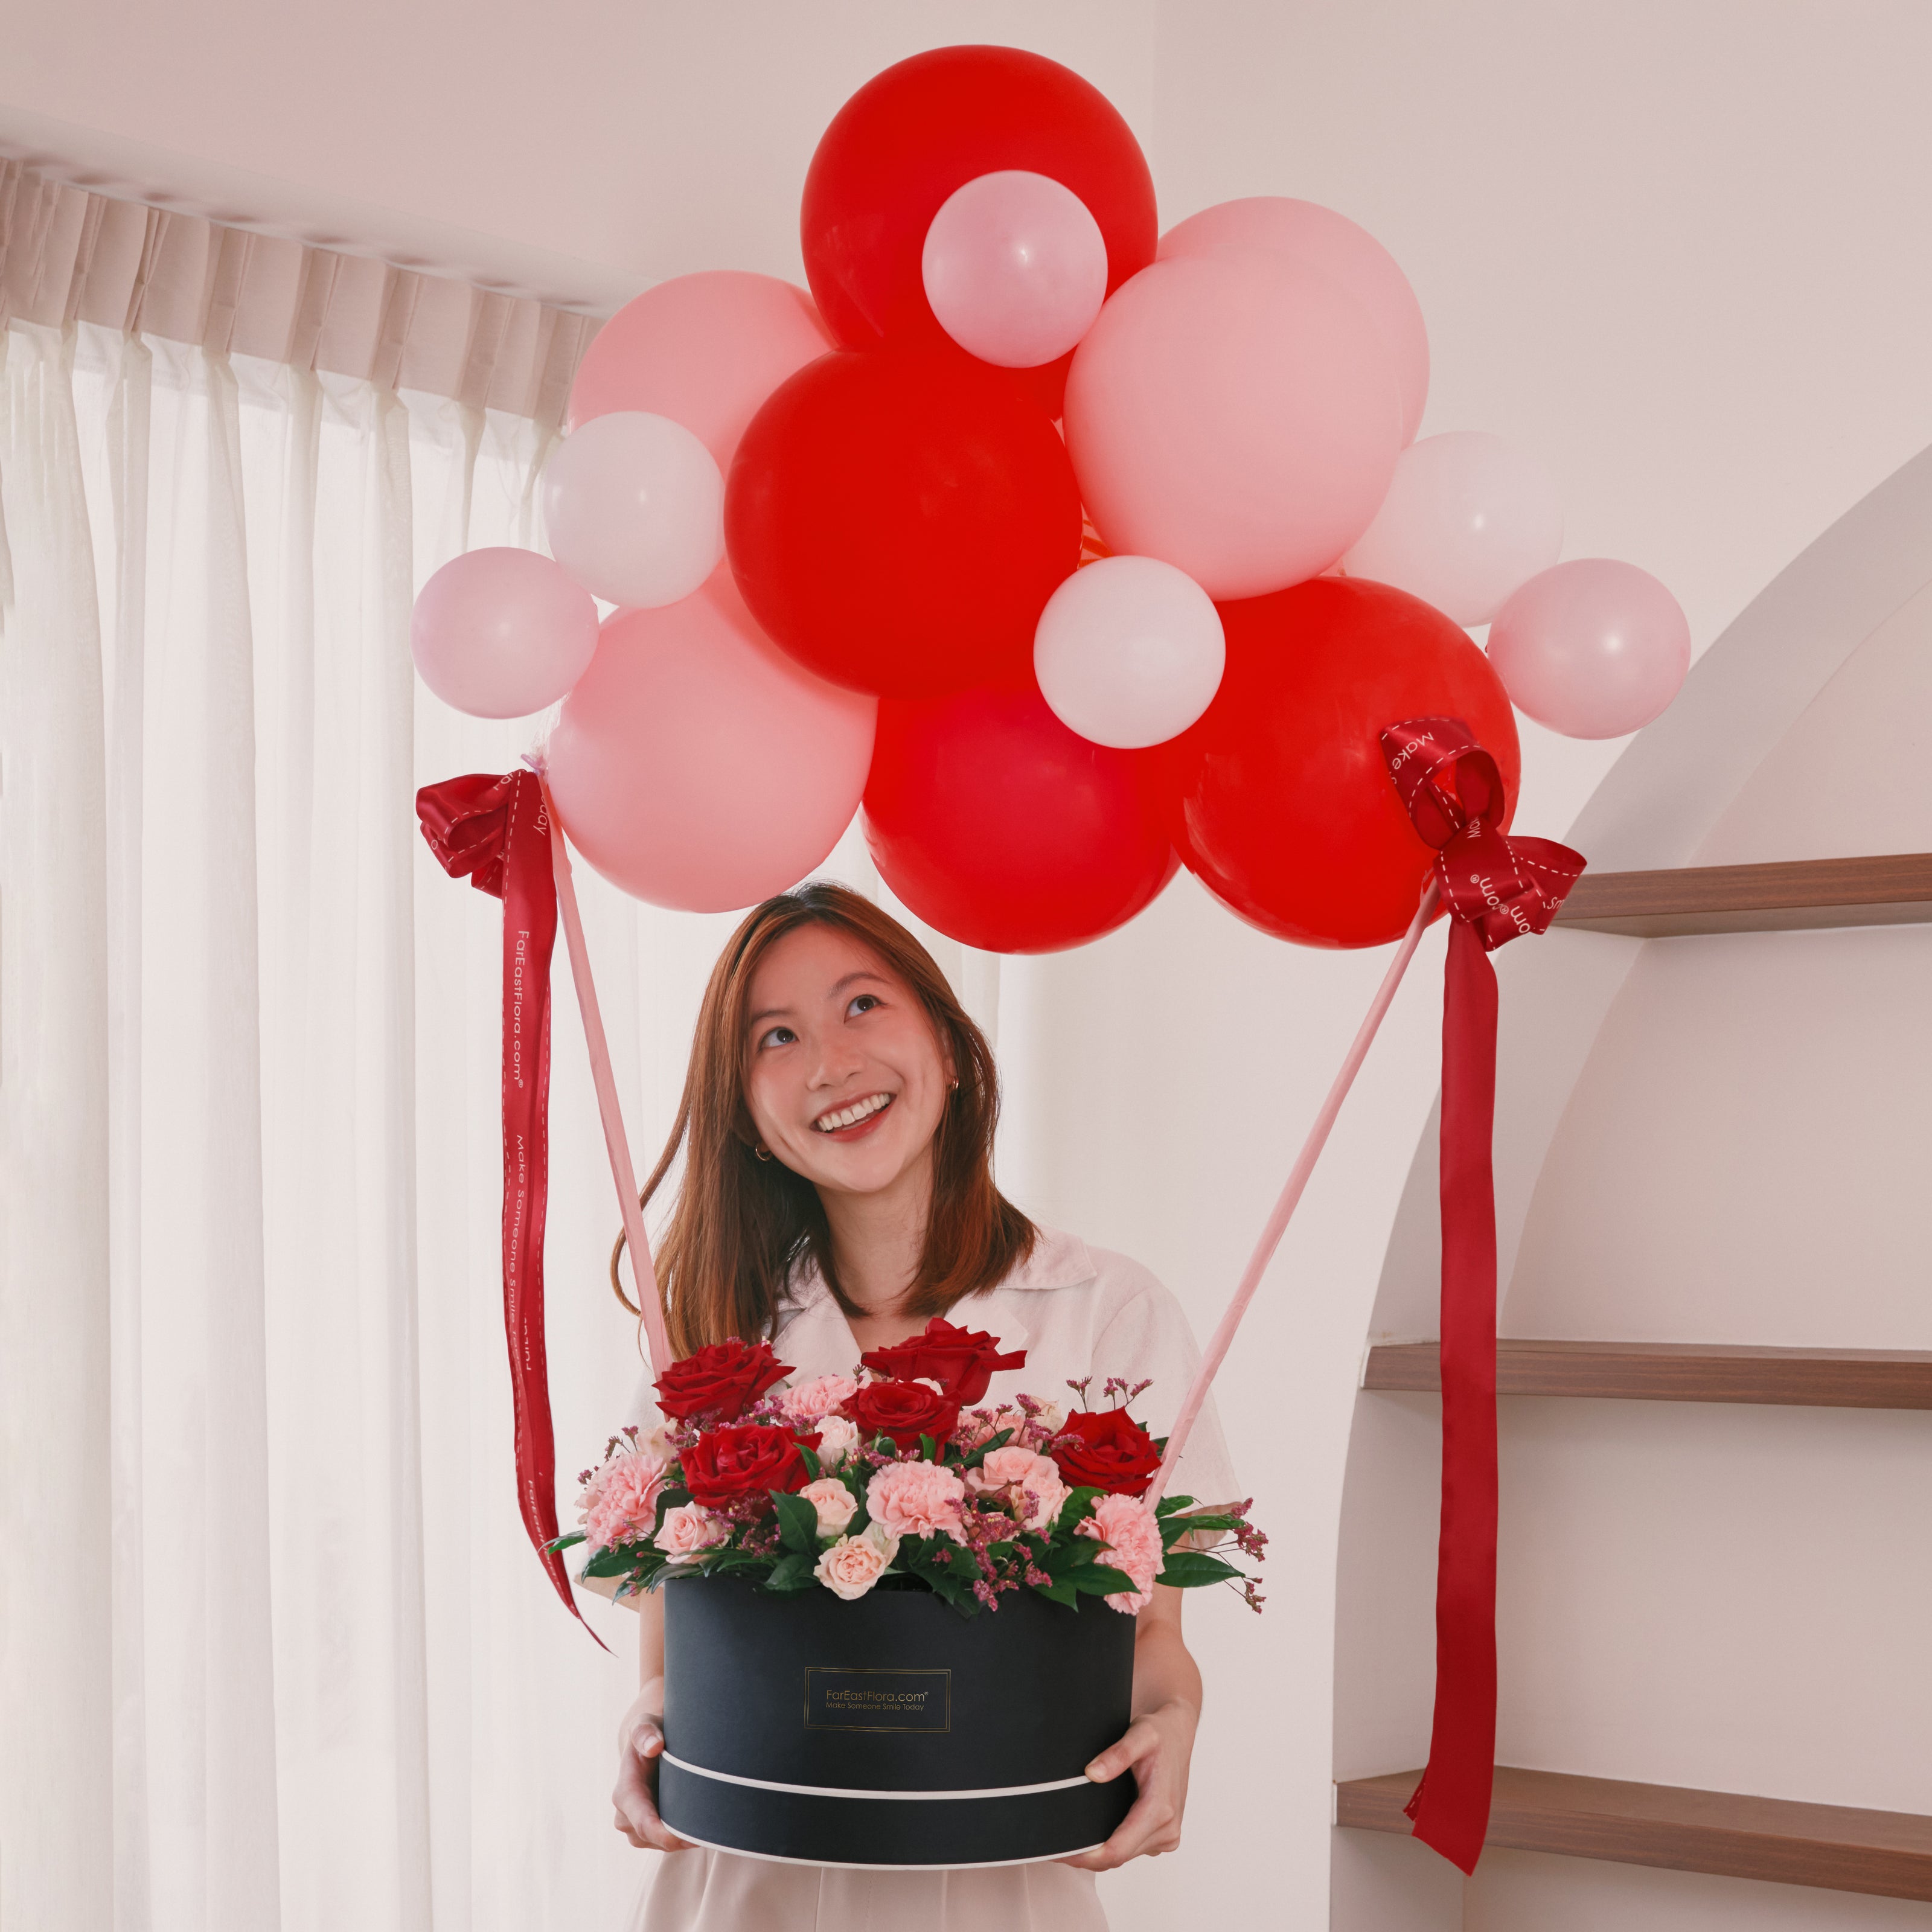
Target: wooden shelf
<point>1678,1372</point>
<point>1893,889</point>
<point>1834,1846</point>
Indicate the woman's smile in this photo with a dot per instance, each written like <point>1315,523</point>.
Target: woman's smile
<point>852,1119</point>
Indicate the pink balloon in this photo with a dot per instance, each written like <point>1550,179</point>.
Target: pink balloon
<point>704,349</point>
<point>697,766</point>
<point>1129,651</point>
<point>1593,649</point>
<point>500,633</point>
<point>1467,519</point>
<point>1315,237</point>
<point>1016,268</point>
<point>634,507</point>
<point>1235,416</point>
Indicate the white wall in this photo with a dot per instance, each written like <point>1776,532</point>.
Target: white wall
<point>1676,248</point>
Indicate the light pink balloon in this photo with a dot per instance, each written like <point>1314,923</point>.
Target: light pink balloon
<point>1016,268</point>
<point>633,507</point>
<point>1593,649</point>
<point>697,767</point>
<point>1318,238</point>
<point>1235,416</point>
<point>704,349</point>
<point>1129,651</point>
<point>1468,518</point>
<point>500,633</point>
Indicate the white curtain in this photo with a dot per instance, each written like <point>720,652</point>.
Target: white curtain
<point>277,1656</point>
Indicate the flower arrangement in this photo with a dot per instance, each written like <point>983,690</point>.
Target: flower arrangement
<point>891,1478</point>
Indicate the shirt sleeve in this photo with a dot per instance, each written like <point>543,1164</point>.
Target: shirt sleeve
<point>1147,1337</point>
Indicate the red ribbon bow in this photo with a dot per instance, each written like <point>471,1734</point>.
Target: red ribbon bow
<point>1498,888</point>
<point>496,830</point>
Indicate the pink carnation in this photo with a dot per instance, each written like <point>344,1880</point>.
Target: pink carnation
<point>917,1499</point>
<point>819,1397</point>
<point>620,1501</point>
<point>1034,1480</point>
<point>1129,1528</point>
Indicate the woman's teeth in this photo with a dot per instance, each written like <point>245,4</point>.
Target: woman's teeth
<point>850,1116</point>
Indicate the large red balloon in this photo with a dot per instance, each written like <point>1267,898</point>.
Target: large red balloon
<point>1286,810</point>
<point>994,823</point>
<point>913,135</point>
<point>898,521</point>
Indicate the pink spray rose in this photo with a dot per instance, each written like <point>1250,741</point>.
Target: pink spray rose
<point>1128,1526</point>
<point>854,1564</point>
<point>812,1401</point>
<point>836,1504</point>
<point>917,1499</point>
<point>620,1501</point>
<point>838,1437</point>
<point>689,1528</point>
<point>1033,1479</point>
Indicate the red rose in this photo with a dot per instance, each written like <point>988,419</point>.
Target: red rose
<point>904,1410</point>
<point>961,1360</point>
<point>1108,1450</point>
<point>726,1465</point>
<point>720,1382</point>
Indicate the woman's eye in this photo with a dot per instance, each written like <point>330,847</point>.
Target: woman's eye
<point>778,1036</point>
<point>863,1004</point>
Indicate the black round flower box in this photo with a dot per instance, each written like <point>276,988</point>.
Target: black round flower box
<point>890,1731</point>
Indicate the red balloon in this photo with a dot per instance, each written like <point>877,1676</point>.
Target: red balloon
<point>1286,810</point>
<point>913,135</point>
<point>995,823</point>
<point>897,521</point>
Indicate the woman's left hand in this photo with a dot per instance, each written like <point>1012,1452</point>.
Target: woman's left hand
<point>1156,1749</point>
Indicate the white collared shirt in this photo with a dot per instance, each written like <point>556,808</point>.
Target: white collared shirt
<point>1076,1311</point>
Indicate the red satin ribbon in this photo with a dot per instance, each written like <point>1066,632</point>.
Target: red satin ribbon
<point>497,831</point>
<point>1498,888</point>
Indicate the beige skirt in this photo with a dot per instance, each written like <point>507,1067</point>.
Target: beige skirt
<point>716,1891</point>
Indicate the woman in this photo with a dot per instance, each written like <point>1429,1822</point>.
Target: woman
<point>837,1129</point>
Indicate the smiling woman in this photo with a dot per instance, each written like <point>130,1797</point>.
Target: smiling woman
<point>837,1128</point>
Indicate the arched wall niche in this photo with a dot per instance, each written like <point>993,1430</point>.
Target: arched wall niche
<point>1721,1139</point>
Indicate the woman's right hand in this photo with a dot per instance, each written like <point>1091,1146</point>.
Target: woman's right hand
<point>640,1743</point>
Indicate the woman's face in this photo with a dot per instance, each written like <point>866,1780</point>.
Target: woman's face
<point>844,1079</point>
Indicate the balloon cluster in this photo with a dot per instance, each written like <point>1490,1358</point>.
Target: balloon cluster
<point>1074,551</point>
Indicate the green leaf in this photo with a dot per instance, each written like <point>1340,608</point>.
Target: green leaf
<point>798,1523</point>
<point>793,1572</point>
<point>1187,1569</point>
<point>1100,1581</point>
<point>928,1448</point>
<point>1169,1504</point>
<point>986,1449</point>
<point>1060,1593</point>
<point>1077,1503</point>
<point>569,1542</point>
<point>813,1468</point>
<point>618,1560</point>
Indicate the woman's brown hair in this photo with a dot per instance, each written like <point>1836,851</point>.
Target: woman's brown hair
<point>740,1224</point>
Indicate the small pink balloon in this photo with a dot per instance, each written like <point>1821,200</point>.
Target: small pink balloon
<point>697,766</point>
<point>1305,233</point>
<point>1593,648</point>
<point>1468,518</point>
<point>633,507</point>
<point>500,633</point>
<point>1016,268</point>
<point>704,349</point>
<point>1236,416</point>
<point>1129,651</point>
